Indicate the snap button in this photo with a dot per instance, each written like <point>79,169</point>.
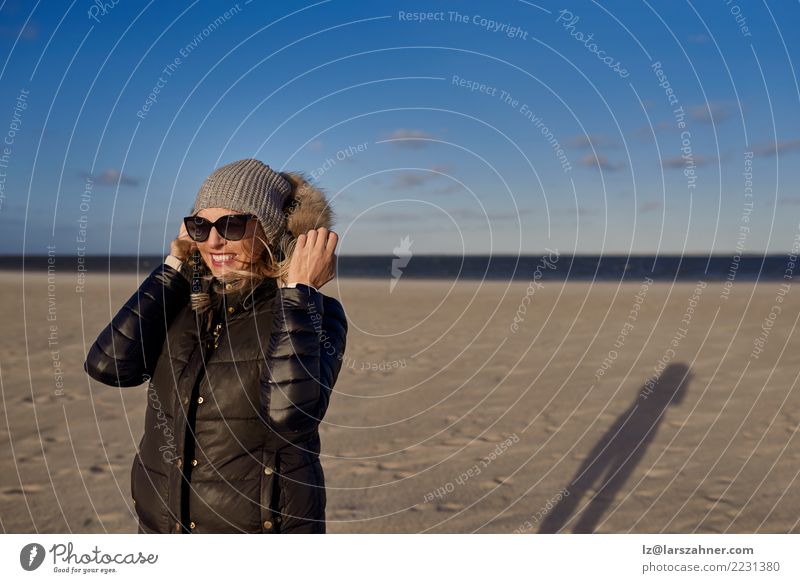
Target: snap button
<point>200,400</point>
<point>268,471</point>
<point>194,462</point>
<point>192,525</point>
<point>228,285</point>
<point>177,526</point>
<point>179,462</point>
<point>267,524</point>
<point>186,400</point>
<point>231,309</point>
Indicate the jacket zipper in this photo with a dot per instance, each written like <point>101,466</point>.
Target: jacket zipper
<point>217,332</point>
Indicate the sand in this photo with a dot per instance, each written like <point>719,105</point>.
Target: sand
<point>445,419</point>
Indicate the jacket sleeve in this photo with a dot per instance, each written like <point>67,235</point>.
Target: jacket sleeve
<point>126,351</point>
<point>304,357</point>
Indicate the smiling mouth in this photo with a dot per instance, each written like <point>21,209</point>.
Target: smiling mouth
<point>220,259</point>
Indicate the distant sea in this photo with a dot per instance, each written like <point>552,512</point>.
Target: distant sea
<point>495,267</point>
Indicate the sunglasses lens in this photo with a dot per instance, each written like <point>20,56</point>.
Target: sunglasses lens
<point>198,228</point>
<point>233,227</point>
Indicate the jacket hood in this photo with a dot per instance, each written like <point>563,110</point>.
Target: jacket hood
<point>307,207</point>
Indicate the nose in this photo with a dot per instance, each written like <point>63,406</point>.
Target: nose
<point>215,240</point>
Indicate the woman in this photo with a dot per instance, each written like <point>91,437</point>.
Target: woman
<point>240,351</point>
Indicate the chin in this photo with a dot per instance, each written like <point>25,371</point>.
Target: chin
<point>225,270</point>
<point>220,271</point>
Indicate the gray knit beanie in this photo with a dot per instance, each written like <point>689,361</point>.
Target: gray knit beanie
<point>248,186</point>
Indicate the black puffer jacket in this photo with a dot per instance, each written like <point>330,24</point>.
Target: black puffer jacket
<point>231,442</point>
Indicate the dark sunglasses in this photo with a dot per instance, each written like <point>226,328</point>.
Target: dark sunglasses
<point>231,227</point>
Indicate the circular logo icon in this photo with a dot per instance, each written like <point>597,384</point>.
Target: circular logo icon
<point>31,556</point>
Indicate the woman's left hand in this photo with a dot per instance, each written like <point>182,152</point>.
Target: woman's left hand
<point>313,260</point>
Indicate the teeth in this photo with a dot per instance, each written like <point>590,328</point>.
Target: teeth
<point>223,257</point>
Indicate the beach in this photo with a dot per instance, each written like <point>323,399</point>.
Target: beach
<point>461,407</point>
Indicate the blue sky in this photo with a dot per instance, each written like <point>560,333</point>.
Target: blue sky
<point>444,128</point>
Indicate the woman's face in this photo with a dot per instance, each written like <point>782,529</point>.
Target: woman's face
<point>220,254</point>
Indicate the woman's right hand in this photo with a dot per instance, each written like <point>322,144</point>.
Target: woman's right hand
<point>183,245</point>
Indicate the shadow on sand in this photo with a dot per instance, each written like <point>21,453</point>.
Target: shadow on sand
<point>611,462</point>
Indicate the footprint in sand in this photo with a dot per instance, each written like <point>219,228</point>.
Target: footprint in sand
<point>344,512</point>
<point>107,467</point>
<point>112,517</point>
<point>719,499</point>
<point>493,484</point>
<point>392,466</point>
<point>791,418</point>
<point>602,495</point>
<point>658,473</point>
<point>360,469</point>
<point>341,515</point>
<point>455,441</point>
<point>647,494</point>
<point>494,437</point>
<point>471,438</point>
<point>24,491</point>
<point>732,514</point>
<point>449,507</point>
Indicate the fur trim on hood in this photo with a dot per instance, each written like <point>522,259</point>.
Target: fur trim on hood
<point>307,207</point>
